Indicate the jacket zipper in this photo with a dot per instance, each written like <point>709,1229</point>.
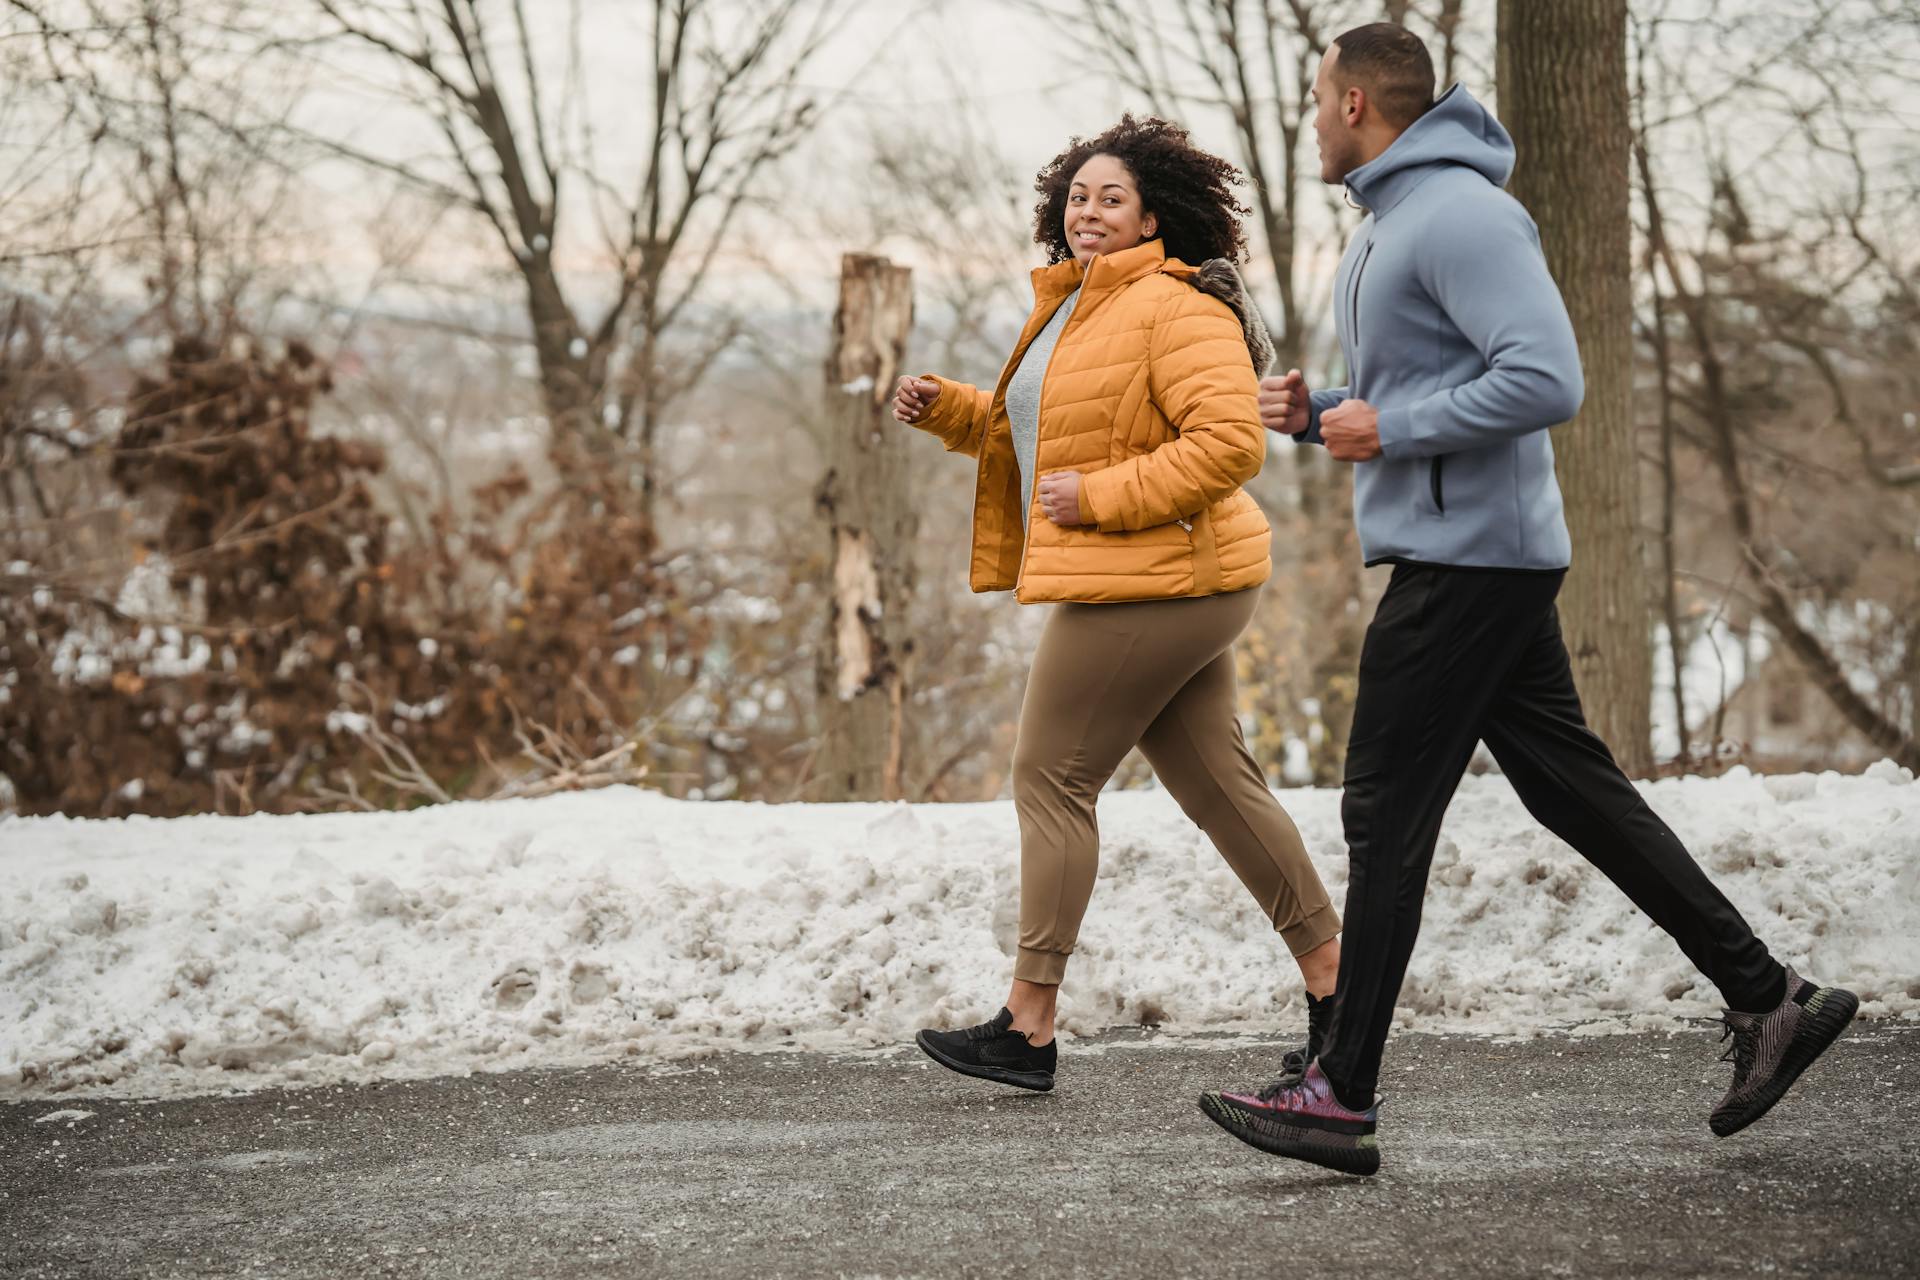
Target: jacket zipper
<point>1433,472</point>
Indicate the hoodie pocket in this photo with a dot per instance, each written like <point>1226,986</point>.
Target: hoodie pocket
<point>1436,483</point>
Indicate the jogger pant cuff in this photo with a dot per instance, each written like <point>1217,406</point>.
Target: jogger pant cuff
<point>1045,967</point>
<point>1305,935</point>
<point>1049,968</point>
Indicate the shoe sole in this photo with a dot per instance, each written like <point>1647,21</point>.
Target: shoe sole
<point>1311,1144</point>
<point>1038,1081</point>
<point>1811,1039</point>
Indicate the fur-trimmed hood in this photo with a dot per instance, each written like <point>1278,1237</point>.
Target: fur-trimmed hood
<point>1222,279</point>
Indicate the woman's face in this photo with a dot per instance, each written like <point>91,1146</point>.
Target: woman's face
<point>1104,213</point>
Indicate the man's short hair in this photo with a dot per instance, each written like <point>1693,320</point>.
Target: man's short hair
<point>1392,65</point>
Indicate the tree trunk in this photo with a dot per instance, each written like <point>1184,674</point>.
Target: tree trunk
<point>1563,95</point>
<point>1447,24</point>
<point>867,505</point>
<point>1678,637</point>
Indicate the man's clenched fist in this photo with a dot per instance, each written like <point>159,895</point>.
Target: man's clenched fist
<point>1351,431</point>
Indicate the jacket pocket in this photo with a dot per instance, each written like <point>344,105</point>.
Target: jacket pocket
<point>1436,485</point>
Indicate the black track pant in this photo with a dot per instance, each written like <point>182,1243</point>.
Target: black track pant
<point>1454,656</point>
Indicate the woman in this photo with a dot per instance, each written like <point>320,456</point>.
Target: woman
<point>1111,459</point>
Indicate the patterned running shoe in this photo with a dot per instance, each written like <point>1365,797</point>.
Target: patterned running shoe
<point>993,1051</point>
<point>1319,1021</point>
<point>1770,1050</point>
<point>1301,1119</point>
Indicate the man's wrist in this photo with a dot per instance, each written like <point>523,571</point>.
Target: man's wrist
<point>1395,429</point>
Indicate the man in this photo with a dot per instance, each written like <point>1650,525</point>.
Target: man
<point>1460,358</point>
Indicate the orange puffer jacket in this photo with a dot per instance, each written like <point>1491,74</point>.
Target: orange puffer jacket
<point>1151,395</point>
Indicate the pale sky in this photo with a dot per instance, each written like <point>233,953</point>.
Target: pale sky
<point>1014,69</point>
<point>918,61</point>
<point>915,61</point>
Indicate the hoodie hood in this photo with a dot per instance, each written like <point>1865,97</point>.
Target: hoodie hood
<point>1456,130</point>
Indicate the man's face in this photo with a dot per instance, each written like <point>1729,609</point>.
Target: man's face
<point>1339,144</point>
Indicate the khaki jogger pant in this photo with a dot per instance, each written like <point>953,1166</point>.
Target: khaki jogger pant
<point>1157,674</point>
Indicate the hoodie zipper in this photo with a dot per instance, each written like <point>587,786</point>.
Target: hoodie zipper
<point>1354,310</point>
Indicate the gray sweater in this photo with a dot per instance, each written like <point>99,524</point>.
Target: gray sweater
<point>1023,398</point>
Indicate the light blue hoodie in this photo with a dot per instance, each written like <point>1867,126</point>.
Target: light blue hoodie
<point>1454,331</point>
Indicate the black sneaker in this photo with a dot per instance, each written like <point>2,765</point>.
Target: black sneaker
<point>1770,1050</point>
<point>1319,1018</point>
<point>993,1051</point>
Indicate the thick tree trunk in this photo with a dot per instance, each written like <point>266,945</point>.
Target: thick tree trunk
<point>1563,95</point>
<point>866,503</point>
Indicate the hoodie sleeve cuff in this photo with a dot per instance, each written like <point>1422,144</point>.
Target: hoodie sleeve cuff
<point>1396,433</point>
<point>1318,402</point>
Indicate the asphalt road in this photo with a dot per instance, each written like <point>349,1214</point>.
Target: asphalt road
<point>1562,1156</point>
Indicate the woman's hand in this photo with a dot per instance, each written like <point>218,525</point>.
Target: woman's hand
<point>1060,497</point>
<point>911,398</point>
<point>1285,404</point>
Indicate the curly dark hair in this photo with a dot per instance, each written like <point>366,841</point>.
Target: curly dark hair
<point>1189,190</point>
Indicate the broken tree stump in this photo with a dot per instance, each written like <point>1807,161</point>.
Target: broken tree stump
<point>866,502</point>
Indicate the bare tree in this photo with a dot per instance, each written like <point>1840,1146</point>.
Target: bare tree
<point>130,210</point>
<point>152,163</point>
<point>1780,333</point>
<point>724,96</point>
<point>1718,404</point>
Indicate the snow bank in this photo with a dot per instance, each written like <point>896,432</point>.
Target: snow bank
<point>144,955</point>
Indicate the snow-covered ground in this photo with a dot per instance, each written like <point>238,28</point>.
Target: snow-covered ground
<point>150,956</point>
